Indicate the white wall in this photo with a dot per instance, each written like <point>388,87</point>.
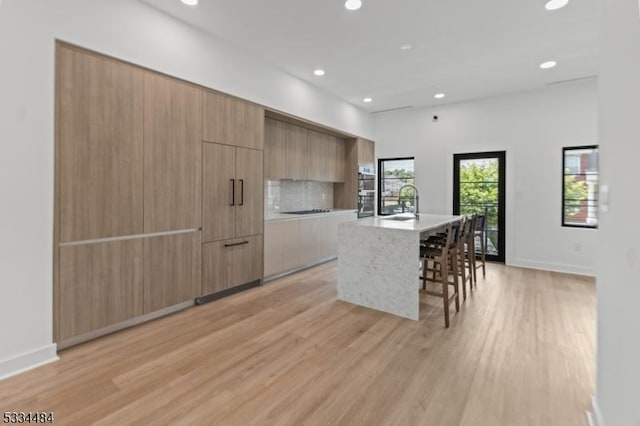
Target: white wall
<point>132,31</point>
<point>532,127</point>
<point>618,278</point>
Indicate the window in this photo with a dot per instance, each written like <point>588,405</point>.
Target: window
<point>580,186</point>
<point>393,174</point>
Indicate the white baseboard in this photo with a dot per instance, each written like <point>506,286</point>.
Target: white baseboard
<point>554,267</point>
<point>28,360</point>
<point>594,416</point>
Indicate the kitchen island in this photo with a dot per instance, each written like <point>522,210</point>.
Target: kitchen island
<point>379,259</point>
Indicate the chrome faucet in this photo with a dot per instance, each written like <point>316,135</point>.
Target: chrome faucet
<point>416,197</point>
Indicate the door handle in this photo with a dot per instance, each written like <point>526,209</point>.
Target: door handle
<point>233,192</point>
<point>236,244</point>
<point>241,192</point>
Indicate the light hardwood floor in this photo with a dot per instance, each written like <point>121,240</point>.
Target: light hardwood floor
<point>520,352</point>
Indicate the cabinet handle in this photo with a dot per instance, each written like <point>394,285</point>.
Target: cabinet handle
<point>236,244</point>
<point>233,192</point>
<point>241,192</point>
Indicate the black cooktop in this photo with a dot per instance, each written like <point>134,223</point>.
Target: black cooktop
<point>312,211</point>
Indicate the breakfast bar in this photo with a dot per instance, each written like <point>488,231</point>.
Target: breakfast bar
<point>379,258</point>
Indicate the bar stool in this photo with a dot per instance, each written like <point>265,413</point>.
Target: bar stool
<point>466,254</point>
<point>442,252</point>
<point>480,231</point>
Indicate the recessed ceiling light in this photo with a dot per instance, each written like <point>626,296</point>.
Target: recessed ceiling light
<point>547,65</point>
<point>190,2</point>
<point>556,4</point>
<point>367,100</point>
<point>319,72</point>
<point>407,46</point>
<point>353,4</point>
<point>439,95</point>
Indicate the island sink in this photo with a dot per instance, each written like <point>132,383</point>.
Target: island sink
<point>401,218</point>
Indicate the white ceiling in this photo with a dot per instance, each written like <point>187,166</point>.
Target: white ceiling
<point>467,49</point>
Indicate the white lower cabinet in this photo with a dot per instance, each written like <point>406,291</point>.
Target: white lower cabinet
<point>293,244</point>
<point>281,246</point>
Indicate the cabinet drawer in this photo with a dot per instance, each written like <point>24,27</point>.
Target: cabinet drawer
<point>230,263</point>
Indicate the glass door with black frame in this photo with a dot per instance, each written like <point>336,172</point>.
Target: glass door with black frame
<point>479,188</point>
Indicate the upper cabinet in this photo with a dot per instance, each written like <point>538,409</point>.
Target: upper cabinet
<point>274,149</point>
<point>172,154</point>
<point>294,152</point>
<point>230,121</point>
<point>366,153</point>
<point>99,148</point>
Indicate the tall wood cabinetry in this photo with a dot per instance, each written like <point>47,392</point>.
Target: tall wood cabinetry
<point>233,192</point>
<point>128,192</point>
<point>358,153</point>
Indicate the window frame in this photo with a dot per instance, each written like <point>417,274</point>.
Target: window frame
<point>562,199</point>
<point>381,179</point>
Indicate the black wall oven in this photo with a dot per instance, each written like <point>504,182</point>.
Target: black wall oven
<point>366,191</point>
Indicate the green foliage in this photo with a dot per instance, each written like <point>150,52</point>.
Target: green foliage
<point>479,187</point>
<point>574,192</point>
<point>399,173</point>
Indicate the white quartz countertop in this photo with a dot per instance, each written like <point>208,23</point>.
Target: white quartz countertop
<point>425,222</point>
<point>273,217</point>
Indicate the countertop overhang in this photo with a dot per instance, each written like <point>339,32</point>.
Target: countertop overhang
<point>425,222</point>
<point>275,217</point>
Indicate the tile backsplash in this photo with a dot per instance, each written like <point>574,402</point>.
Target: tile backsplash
<point>288,195</point>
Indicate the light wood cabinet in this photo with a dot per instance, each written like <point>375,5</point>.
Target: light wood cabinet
<point>233,192</point>
<point>339,159</point>
<point>358,153</point>
<point>231,121</point>
<point>172,155</point>
<point>172,270</point>
<point>274,149</point>
<point>296,153</point>
<point>250,190</point>
<point>99,150</point>
<point>99,285</point>
<point>316,156</point>
<point>366,154</point>
<point>219,191</point>
<point>230,263</point>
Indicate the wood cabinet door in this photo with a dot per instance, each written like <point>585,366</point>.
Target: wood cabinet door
<point>274,149</point>
<point>232,121</point>
<point>249,192</point>
<point>246,122</point>
<point>230,263</point>
<point>296,152</point>
<point>99,285</point>
<point>316,156</point>
<point>340,160</point>
<point>99,145</point>
<point>220,195</point>
<point>366,153</point>
<point>172,155</point>
<point>172,270</point>
<point>273,248</point>
<point>214,118</point>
